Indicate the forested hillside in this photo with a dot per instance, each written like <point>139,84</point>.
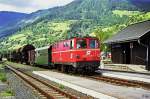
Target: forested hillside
<point>92,17</point>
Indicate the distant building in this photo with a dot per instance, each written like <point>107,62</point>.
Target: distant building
<point>132,45</point>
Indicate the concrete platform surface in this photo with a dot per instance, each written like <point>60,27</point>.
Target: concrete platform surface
<point>96,89</point>
<point>125,67</point>
<point>130,76</point>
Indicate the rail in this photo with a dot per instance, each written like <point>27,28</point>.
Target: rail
<point>122,82</point>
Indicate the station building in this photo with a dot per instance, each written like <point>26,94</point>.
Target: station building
<point>132,45</point>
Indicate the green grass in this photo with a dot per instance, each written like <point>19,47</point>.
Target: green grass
<point>125,12</point>
<point>7,92</point>
<point>2,74</point>
<point>1,66</point>
<point>16,37</point>
<point>3,77</point>
<point>41,39</point>
<point>60,26</point>
<point>15,64</point>
<point>61,86</point>
<point>15,47</point>
<point>24,66</point>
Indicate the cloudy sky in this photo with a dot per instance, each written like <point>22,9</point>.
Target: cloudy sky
<point>28,6</point>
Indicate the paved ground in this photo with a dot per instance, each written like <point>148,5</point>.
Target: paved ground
<point>96,88</point>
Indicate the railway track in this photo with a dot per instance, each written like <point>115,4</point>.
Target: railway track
<point>121,82</point>
<point>46,90</point>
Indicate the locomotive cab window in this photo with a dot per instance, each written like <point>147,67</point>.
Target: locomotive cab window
<point>81,43</point>
<point>93,44</point>
<point>65,44</point>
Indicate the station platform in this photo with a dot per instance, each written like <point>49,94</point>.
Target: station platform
<point>126,75</point>
<point>94,88</point>
<point>125,67</point>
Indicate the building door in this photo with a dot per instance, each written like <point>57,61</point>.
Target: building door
<point>148,64</point>
<point>117,55</point>
<point>126,53</point>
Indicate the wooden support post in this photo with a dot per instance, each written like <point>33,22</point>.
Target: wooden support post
<point>148,62</point>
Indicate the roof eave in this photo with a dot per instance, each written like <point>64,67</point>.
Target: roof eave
<point>120,41</point>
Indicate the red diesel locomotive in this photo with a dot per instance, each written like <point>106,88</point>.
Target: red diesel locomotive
<point>83,54</point>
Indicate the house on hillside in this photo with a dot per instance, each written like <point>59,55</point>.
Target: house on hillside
<point>132,45</point>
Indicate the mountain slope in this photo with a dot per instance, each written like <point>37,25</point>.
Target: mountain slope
<point>8,17</point>
<point>8,20</point>
<point>81,16</point>
<point>78,9</point>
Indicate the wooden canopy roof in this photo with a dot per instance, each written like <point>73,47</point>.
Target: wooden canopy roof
<point>130,33</point>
